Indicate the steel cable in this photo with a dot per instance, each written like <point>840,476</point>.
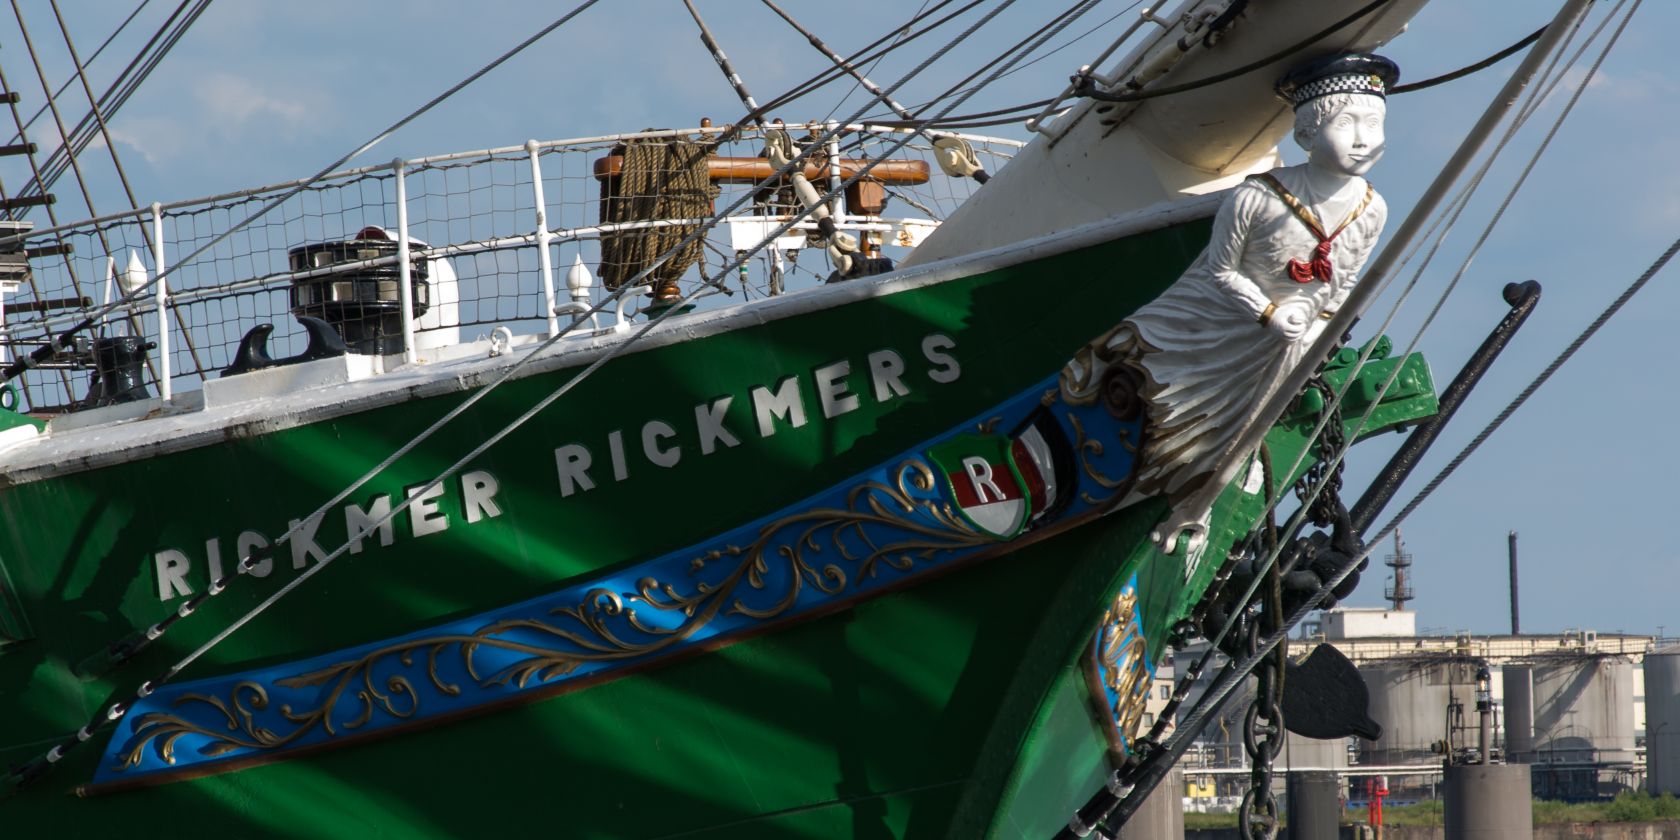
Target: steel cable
<point>64,338</point>
<point>111,712</point>
<point>1540,91</point>
<point>1215,695</point>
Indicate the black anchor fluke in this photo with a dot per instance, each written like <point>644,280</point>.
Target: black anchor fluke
<point>1325,697</point>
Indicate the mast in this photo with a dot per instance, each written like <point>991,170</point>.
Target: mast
<point>723,63</point>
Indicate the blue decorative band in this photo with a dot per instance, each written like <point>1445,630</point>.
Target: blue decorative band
<point>1051,456</point>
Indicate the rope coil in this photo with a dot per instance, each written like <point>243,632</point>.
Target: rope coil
<point>659,180</point>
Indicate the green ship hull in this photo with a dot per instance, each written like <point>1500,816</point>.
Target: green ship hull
<point>957,706</point>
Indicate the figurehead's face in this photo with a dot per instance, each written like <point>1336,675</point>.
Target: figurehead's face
<point>1342,133</point>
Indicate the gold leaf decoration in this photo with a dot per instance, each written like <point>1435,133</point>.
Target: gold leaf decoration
<point>826,549</point>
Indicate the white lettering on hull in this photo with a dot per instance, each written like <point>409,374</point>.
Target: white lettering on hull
<point>175,570</point>
<point>785,403</point>
<point>773,408</point>
<point>708,420</point>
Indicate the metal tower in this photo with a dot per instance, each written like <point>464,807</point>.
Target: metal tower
<point>1399,589</point>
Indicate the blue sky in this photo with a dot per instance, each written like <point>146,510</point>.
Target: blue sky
<point>263,92</point>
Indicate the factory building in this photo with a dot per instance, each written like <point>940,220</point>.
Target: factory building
<point>1572,705</point>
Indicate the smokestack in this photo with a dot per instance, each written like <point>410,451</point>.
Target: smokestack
<point>1516,625</point>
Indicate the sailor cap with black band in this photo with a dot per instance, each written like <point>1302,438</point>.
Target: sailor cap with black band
<point>1347,73</point>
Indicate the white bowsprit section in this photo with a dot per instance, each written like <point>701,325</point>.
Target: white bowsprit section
<point>17,436</point>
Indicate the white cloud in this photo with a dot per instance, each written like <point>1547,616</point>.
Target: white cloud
<point>232,101</point>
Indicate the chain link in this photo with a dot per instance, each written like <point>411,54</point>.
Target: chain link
<point>1324,509</point>
<point>1263,730</point>
<point>1263,726</point>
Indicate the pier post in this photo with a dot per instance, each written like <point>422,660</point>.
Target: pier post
<point>1162,814</point>
<point>1488,802</point>
<point>1314,804</point>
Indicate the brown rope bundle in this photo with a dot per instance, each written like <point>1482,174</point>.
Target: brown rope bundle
<point>659,180</point>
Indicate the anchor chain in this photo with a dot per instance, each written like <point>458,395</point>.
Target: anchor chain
<point>1263,731</point>
<point>1263,726</point>
<point>1324,510</point>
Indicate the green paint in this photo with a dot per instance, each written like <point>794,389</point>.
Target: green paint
<point>10,419</point>
<point>925,710</point>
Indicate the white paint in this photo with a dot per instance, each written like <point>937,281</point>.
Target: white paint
<point>440,327</point>
<point>428,514</point>
<point>17,436</point>
<point>1162,148</point>
<point>1038,451</point>
<point>886,372</point>
<point>652,432</point>
<point>358,523</point>
<point>573,459</point>
<point>615,448</point>
<point>160,300</point>
<point>831,389</point>
<point>785,403</point>
<point>268,383</point>
<point>213,552</point>
<point>304,546</point>
<point>425,516</point>
<point>181,426</point>
<point>708,421</point>
<point>1202,341</point>
<point>980,476</point>
<point>172,567</point>
<point>478,496</point>
<point>247,545</point>
<point>1193,558</point>
<point>934,347</point>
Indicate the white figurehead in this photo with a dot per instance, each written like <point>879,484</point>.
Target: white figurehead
<point>1285,253</point>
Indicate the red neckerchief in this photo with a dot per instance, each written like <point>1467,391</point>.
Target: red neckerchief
<point>1319,267</point>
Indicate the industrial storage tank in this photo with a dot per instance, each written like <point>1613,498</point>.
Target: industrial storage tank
<point>1415,699</point>
<point>1519,712</point>
<point>1303,753</point>
<point>1662,721</point>
<point>1583,724</point>
<point>1223,738</point>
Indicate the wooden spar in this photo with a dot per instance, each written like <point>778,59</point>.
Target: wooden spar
<point>751,170</point>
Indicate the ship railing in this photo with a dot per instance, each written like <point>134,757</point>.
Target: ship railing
<point>509,223</point>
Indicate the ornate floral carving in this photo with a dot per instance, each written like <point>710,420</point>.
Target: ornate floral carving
<point>1088,449</point>
<point>827,549</point>
<point>1119,672</point>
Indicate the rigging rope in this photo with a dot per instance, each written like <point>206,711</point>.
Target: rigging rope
<point>826,77</point>
<point>116,710</point>
<point>1086,89</point>
<point>1471,68</point>
<point>1220,690</point>
<point>659,180</point>
<point>65,339</point>
<point>1193,721</point>
<point>1537,94</point>
<point>1013,114</point>
<point>94,56</point>
<point>118,94</point>
<point>1533,386</point>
